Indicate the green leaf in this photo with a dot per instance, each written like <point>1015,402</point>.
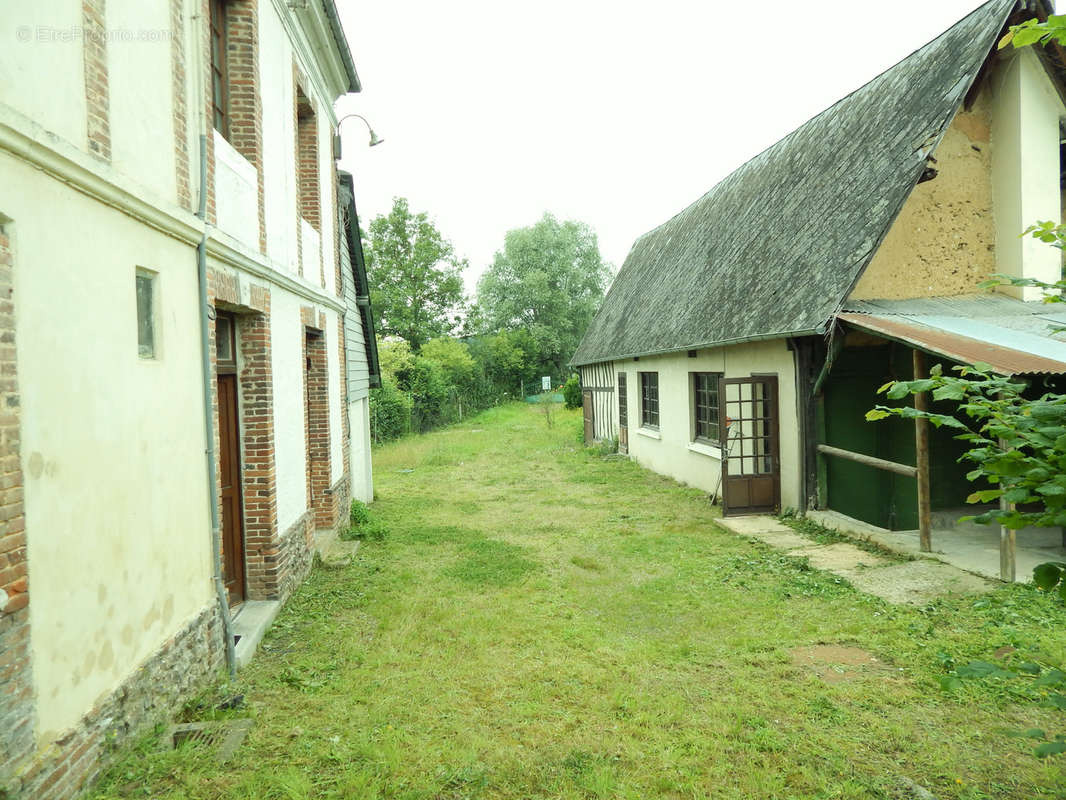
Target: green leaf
<point>1046,576</point>
<point>949,392</point>
<point>1057,701</point>
<point>1016,495</point>
<point>949,683</point>
<point>984,496</point>
<point>1026,37</point>
<point>1029,668</point>
<point>1051,749</point>
<point>977,669</point>
<point>899,390</point>
<point>1053,677</point>
<point>1034,733</point>
<point>876,414</point>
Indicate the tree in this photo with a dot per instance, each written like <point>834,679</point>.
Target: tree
<point>1034,31</point>
<point>415,276</point>
<point>548,279</point>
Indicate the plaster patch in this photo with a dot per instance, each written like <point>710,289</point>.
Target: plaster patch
<point>107,656</point>
<point>943,241</point>
<point>35,465</point>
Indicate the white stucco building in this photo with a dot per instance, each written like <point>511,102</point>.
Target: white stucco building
<point>173,260</point>
<point>743,340</point>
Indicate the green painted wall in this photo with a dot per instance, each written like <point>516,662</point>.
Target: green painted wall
<point>876,496</point>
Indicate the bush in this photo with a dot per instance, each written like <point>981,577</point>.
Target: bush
<point>390,412</point>
<point>364,524</point>
<point>359,513</point>
<point>572,392</point>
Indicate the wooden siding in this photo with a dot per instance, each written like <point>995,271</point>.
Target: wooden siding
<point>354,339</point>
<point>601,380</point>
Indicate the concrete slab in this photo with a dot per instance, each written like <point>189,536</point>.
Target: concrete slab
<point>917,582</point>
<point>252,621</point>
<point>966,545</point>
<point>757,523</point>
<point>842,559</point>
<point>334,552</point>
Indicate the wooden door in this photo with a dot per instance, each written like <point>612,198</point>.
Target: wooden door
<point>590,426</point>
<point>230,474</point>
<point>751,465</point>
<point>623,415</point>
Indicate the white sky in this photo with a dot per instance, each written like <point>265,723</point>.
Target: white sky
<point>615,113</point>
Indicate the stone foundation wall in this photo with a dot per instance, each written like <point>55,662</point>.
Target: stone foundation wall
<point>296,550</point>
<point>185,663</point>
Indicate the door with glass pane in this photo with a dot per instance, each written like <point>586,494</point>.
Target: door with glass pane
<point>751,464</point>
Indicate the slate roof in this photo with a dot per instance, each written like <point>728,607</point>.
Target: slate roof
<point>775,248</point>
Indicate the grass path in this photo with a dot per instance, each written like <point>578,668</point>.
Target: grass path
<point>542,622</point>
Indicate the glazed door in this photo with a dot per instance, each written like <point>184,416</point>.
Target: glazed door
<point>623,415</point>
<point>751,466</point>
<point>230,474</point>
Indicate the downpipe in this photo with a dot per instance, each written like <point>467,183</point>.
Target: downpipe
<point>209,426</point>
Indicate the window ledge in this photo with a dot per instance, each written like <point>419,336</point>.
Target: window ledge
<point>706,449</point>
<point>651,433</point>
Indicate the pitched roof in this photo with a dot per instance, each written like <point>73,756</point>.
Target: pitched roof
<point>775,248</point>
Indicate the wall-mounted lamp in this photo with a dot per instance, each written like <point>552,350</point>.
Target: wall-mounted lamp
<point>374,138</point>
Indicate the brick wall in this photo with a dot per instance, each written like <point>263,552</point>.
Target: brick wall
<point>316,427</point>
<point>305,151</point>
<point>16,678</point>
<point>97,91</point>
<point>245,103</point>
<point>181,129</point>
<point>262,552</point>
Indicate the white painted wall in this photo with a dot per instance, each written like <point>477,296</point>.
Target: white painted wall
<point>42,67</point>
<point>279,135</point>
<point>236,193</point>
<point>112,444</point>
<point>1026,111</point>
<point>290,448</point>
<point>362,476</point>
<point>336,400</point>
<point>670,450</point>
<point>140,78</point>
<point>311,247</point>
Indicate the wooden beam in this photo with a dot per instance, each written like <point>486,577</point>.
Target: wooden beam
<point>921,446</point>
<point>870,461</point>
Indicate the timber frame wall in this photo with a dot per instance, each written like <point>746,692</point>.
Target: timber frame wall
<point>601,380</point>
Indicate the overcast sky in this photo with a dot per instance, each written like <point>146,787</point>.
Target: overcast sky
<point>615,113</point>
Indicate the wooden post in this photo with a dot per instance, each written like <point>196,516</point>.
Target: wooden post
<point>1008,565</point>
<point>921,446</point>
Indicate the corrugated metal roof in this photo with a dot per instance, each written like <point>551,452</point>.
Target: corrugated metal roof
<point>969,341</point>
<point>983,304</point>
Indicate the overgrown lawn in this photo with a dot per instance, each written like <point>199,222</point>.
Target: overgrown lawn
<point>542,621</point>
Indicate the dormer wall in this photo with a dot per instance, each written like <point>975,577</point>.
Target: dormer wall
<point>997,173</point>
<point>944,240</point>
<point>1026,113</point>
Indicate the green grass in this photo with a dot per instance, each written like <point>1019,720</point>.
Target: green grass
<point>543,621</point>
